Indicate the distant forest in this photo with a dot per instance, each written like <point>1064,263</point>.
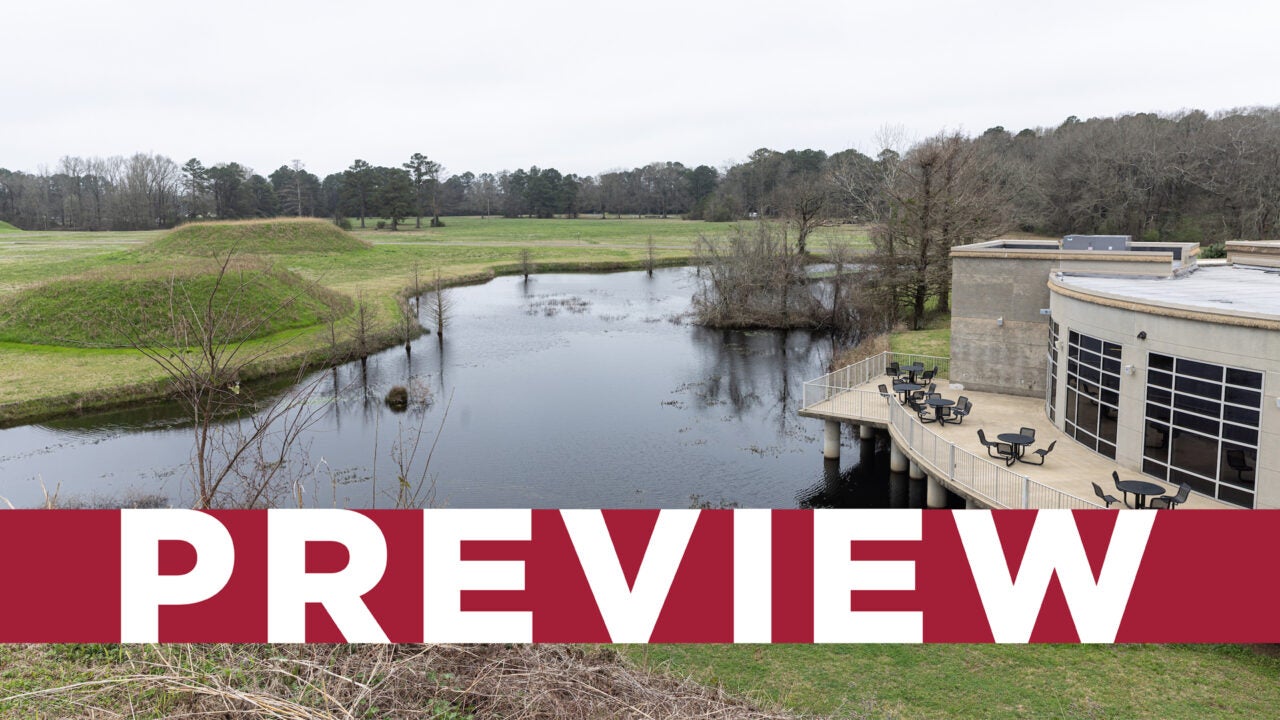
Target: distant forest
<point>1186,176</point>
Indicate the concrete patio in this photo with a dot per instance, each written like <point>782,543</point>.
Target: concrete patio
<point>1070,468</point>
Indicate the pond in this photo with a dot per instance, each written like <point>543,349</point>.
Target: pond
<point>568,390</point>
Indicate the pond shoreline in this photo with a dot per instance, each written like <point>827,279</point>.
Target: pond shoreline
<point>301,360</point>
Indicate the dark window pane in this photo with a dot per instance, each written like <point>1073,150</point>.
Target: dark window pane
<point>1111,366</point>
<point>1194,453</point>
<point>1199,484</point>
<point>1159,395</point>
<point>1247,378</point>
<point>1155,441</point>
<point>1195,422</point>
<point>1195,404</point>
<point>1156,412</point>
<point>1204,389</point>
<point>1091,343</point>
<point>1073,367</point>
<point>1155,469</point>
<point>1204,371</point>
<point>1071,404</point>
<point>1235,497</point>
<point>1087,414</point>
<point>1111,381</point>
<point>1155,377</point>
<point>1240,415</point>
<point>1111,350</point>
<point>1110,396</point>
<point>1090,374</point>
<point>1107,423</point>
<point>1074,337</point>
<point>1239,465</point>
<point>1090,359</point>
<point>1239,434</point>
<point>1161,362</point>
<point>1248,398</point>
<point>1107,449</point>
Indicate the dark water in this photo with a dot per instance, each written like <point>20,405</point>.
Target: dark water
<point>568,391</point>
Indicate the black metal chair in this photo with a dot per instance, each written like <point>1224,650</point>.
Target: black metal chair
<point>1172,501</point>
<point>893,370</point>
<point>1108,499</point>
<point>928,374</point>
<point>1042,453</point>
<point>961,410</point>
<point>1116,477</point>
<point>884,391</point>
<point>1028,431</point>
<point>1004,451</point>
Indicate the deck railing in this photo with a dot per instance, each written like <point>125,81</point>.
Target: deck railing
<point>994,484</point>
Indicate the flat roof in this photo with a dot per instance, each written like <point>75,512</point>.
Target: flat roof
<point>1228,290</point>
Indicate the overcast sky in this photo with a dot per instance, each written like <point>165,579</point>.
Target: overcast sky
<point>591,85</point>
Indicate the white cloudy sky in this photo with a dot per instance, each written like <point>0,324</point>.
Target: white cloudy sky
<point>587,86</point>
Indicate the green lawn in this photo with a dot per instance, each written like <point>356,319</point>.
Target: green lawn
<point>989,681</point>
<point>934,339</point>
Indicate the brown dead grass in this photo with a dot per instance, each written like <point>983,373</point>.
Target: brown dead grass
<point>320,682</point>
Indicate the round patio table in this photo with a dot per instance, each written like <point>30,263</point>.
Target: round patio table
<point>1018,441</point>
<point>1141,490</point>
<point>937,404</point>
<point>905,388</point>
<point>911,370</point>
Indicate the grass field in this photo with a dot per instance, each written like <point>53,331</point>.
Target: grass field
<point>989,681</point>
<point>50,376</point>
<point>7,228</point>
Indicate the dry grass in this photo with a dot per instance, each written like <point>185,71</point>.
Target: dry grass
<point>350,681</point>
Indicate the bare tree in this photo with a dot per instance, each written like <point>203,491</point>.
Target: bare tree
<point>439,307</point>
<point>205,347</point>
<point>649,255</point>
<point>526,263</point>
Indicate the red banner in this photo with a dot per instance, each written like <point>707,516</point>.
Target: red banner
<point>638,576</point>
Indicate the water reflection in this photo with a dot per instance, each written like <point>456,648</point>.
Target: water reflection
<point>568,391</point>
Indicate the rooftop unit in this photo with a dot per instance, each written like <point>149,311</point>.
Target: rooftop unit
<point>1096,242</point>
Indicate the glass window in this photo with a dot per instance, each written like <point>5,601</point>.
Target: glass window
<point>1185,438</point>
<point>1093,384</point>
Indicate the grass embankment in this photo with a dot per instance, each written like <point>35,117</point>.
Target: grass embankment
<point>7,228</point>
<point>278,236</point>
<point>119,306</point>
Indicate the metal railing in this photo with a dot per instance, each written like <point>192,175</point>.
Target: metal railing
<point>991,483</point>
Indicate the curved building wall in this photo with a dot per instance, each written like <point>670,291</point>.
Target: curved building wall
<point>1173,334</point>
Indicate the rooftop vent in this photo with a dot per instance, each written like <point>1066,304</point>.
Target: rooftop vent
<point>1096,242</point>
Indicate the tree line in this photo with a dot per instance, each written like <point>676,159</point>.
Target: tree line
<point>1180,176</point>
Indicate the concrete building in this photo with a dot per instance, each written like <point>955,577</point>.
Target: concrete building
<point>1142,354</point>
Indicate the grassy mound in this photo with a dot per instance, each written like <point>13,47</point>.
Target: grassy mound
<point>7,228</point>
<point>277,236</point>
<point>116,307</point>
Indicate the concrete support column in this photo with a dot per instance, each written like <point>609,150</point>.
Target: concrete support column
<point>897,459</point>
<point>831,440</point>
<point>914,471</point>
<point>935,494</point>
<point>866,432</point>
<point>899,490</point>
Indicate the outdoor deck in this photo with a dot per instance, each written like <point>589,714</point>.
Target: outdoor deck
<point>1069,469</point>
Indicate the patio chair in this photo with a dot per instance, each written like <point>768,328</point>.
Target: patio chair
<point>1028,431</point>
<point>893,370</point>
<point>1108,499</point>
<point>1172,501</point>
<point>961,410</point>
<point>1042,453</point>
<point>923,393</point>
<point>1116,477</point>
<point>928,374</point>
<point>1004,451</point>
<point>1160,503</point>
<point>884,391</point>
